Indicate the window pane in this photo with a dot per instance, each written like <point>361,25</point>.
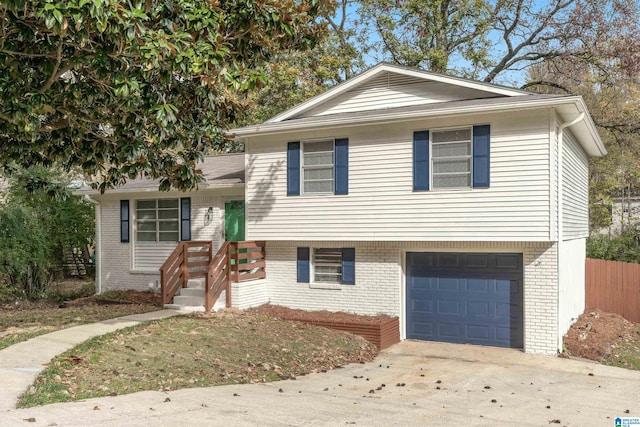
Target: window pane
<point>145,236</point>
<point>451,166</point>
<point>146,204</point>
<point>312,159</point>
<point>147,226</point>
<point>166,236</point>
<point>327,265</point>
<point>168,225</point>
<point>146,214</point>
<point>318,186</point>
<point>452,135</point>
<point>452,149</point>
<point>312,147</point>
<point>168,203</point>
<point>452,181</point>
<point>321,173</point>
<point>168,214</point>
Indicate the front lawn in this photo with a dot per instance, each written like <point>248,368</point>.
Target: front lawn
<point>24,320</point>
<point>194,351</point>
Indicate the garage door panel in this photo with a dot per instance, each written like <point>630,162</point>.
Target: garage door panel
<point>477,261</point>
<point>477,298</point>
<point>449,330</point>
<point>422,306</point>
<point>480,286</point>
<point>424,330</point>
<point>448,308</point>
<point>446,284</point>
<point>478,333</point>
<point>476,309</point>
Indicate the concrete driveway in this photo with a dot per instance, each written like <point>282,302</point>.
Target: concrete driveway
<point>413,383</point>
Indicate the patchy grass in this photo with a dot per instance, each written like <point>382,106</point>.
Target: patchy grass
<point>626,352</point>
<point>24,320</point>
<point>194,351</point>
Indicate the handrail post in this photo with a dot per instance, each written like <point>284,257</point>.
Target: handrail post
<point>228,293</point>
<point>207,293</point>
<point>163,290</point>
<point>185,265</point>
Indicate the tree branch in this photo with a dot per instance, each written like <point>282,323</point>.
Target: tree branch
<point>546,83</point>
<point>532,40</point>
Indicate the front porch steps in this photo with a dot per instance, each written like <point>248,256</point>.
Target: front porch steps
<point>191,298</point>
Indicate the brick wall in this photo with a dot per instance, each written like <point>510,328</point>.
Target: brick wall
<point>541,299</point>
<point>379,282</point>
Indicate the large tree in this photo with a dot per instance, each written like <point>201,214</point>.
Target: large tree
<point>295,76</point>
<point>123,88</point>
<point>485,39</point>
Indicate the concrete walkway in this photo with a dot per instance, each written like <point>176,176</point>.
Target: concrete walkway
<point>21,363</point>
<point>410,384</point>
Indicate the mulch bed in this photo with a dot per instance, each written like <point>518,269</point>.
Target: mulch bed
<point>596,333</point>
<point>381,330</point>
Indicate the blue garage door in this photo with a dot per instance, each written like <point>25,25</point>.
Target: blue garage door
<point>465,298</point>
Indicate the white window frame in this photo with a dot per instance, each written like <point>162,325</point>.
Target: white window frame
<point>157,221</point>
<point>469,157</point>
<point>314,264</point>
<point>304,167</point>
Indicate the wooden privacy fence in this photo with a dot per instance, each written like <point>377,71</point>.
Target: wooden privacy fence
<point>614,287</point>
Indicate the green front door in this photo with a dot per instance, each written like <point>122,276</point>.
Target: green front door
<point>234,224</point>
<point>234,221</point>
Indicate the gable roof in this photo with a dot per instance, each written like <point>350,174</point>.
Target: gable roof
<point>470,89</point>
<point>221,171</point>
<point>412,94</point>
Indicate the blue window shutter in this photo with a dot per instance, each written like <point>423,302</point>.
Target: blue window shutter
<point>124,221</point>
<point>421,160</point>
<point>185,218</point>
<point>348,266</point>
<point>481,150</point>
<point>303,265</point>
<point>341,177</point>
<point>293,169</point>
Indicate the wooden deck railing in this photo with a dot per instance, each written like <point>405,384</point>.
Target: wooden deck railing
<point>248,260</point>
<point>218,278</point>
<point>188,259</point>
<point>234,262</point>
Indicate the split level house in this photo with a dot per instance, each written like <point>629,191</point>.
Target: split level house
<point>459,206</point>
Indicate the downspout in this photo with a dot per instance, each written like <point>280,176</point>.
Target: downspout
<point>98,260</point>
<point>561,128</point>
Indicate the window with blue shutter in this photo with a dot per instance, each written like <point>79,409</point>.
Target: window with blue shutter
<point>341,151</point>
<point>348,266</point>
<point>185,218</point>
<point>481,158</point>
<point>303,265</point>
<point>421,160</point>
<point>293,169</point>
<point>124,221</point>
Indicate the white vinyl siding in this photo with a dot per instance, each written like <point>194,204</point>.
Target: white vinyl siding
<point>451,158</point>
<point>390,90</point>
<point>575,189</point>
<point>382,205</point>
<point>317,166</point>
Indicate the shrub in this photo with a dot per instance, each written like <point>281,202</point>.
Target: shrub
<point>622,247</point>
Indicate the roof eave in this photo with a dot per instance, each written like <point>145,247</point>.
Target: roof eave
<point>116,191</point>
<point>595,147</point>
